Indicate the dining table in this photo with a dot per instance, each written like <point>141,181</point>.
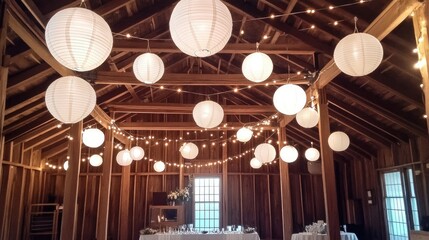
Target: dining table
<point>316,236</point>
<point>201,236</point>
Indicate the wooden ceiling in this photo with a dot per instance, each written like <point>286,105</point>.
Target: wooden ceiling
<point>383,108</point>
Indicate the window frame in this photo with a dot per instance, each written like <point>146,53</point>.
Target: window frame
<point>219,177</point>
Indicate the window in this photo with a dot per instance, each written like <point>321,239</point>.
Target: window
<point>207,203</point>
<point>398,195</point>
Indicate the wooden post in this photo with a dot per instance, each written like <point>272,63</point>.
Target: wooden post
<point>69,224</point>
<point>328,170</point>
<point>124,210</point>
<point>285,192</point>
<point>225,185</point>
<point>106,178</point>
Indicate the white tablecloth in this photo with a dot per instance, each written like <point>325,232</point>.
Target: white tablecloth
<point>208,236</point>
<point>310,236</point>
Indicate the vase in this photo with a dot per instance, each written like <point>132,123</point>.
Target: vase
<point>171,203</point>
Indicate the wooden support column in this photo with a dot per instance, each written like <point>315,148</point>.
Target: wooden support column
<point>285,192</point>
<point>106,178</point>
<point>124,209</point>
<point>69,220</point>
<point>328,170</point>
<point>225,185</point>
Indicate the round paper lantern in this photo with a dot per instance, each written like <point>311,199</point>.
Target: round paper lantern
<point>123,158</point>
<point>289,154</point>
<point>257,67</point>
<point>358,54</point>
<point>70,99</point>
<point>307,117</point>
<point>255,163</point>
<point>137,153</point>
<point>66,165</point>
<point>289,99</point>
<point>244,134</point>
<point>159,166</point>
<point>148,68</point>
<point>312,154</point>
<point>200,28</point>
<point>189,150</point>
<point>207,114</point>
<point>338,141</point>
<point>95,160</point>
<point>265,152</point>
<point>93,137</point>
<point>79,39</point>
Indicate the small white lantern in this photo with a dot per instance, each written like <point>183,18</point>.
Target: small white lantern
<point>148,68</point>
<point>307,117</point>
<point>358,54</point>
<point>123,158</point>
<point>208,114</point>
<point>159,166</point>
<point>189,150</point>
<point>200,28</point>
<point>312,154</point>
<point>257,67</point>
<point>93,137</point>
<point>255,163</point>
<point>244,134</point>
<point>70,99</point>
<point>137,153</point>
<point>338,141</point>
<point>289,154</point>
<point>66,165</point>
<point>265,152</point>
<point>79,39</point>
<point>95,160</point>
<point>289,99</point>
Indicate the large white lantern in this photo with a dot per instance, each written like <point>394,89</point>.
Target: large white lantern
<point>137,153</point>
<point>93,137</point>
<point>66,165</point>
<point>208,114</point>
<point>312,154</point>
<point>189,150</point>
<point>255,163</point>
<point>95,160</point>
<point>307,117</point>
<point>148,68</point>
<point>244,134</point>
<point>338,141</point>
<point>79,39</point>
<point>200,28</point>
<point>289,99</point>
<point>257,67</point>
<point>265,152</point>
<point>70,99</point>
<point>289,154</point>
<point>358,54</point>
<point>123,158</point>
<point>159,166</point>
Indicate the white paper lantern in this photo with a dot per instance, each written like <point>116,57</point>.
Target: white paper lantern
<point>200,28</point>
<point>338,141</point>
<point>79,39</point>
<point>189,150</point>
<point>244,134</point>
<point>289,154</point>
<point>358,54</point>
<point>95,160</point>
<point>70,99</point>
<point>307,117</point>
<point>123,158</point>
<point>265,152</point>
<point>208,114</point>
<point>92,137</point>
<point>257,67</point>
<point>137,153</point>
<point>66,165</point>
<point>148,68</point>
<point>255,163</point>
<point>159,166</point>
<point>289,99</point>
<point>312,154</point>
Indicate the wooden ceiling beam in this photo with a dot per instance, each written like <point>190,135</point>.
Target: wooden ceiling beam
<point>53,135</point>
<point>111,7</point>
<point>178,126</point>
<point>58,149</point>
<point>22,79</point>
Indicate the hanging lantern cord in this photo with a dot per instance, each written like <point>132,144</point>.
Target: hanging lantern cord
<point>83,4</point>
<point>257,46</point>
<point>356,29</point>
<point>148,45</point>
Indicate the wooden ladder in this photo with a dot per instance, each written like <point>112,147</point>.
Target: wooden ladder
<point>42,221</point>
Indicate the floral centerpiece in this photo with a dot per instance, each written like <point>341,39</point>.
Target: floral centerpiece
<point>180,195</point>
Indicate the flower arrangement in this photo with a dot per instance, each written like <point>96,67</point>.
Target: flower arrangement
<point>180,194</point>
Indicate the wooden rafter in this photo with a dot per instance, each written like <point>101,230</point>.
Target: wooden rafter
<point>178,126</point>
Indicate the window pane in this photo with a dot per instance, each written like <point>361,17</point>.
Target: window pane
<point>207,202</point>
